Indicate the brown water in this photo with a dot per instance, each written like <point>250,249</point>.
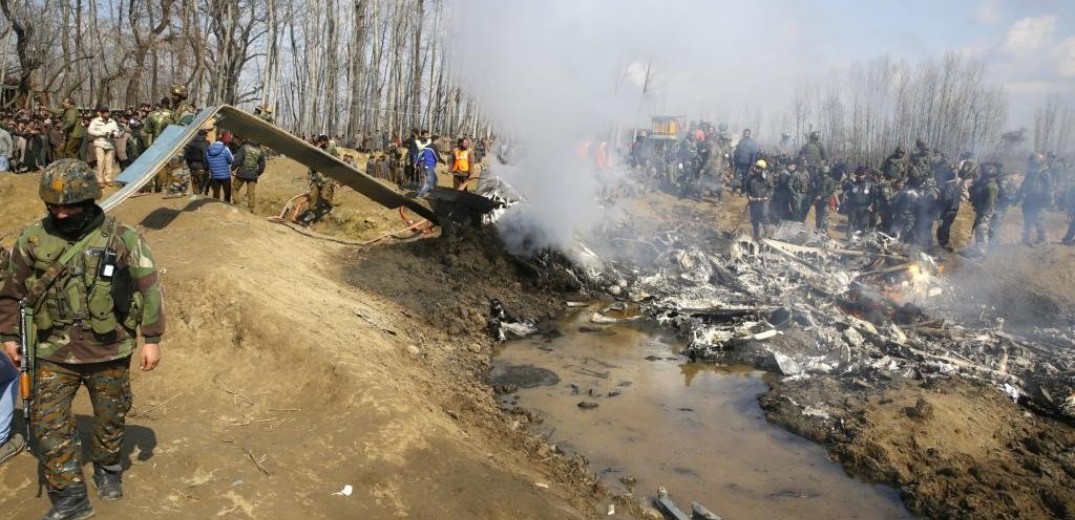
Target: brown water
<point>696,430</point>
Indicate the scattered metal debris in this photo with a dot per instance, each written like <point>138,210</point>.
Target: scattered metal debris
<point>503,325</point>
<point>801,304</point>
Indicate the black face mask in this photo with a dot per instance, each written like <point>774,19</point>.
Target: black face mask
<point>76,226</point>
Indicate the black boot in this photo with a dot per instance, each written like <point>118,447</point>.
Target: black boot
<point>109,484</point>
<point>70,503</point>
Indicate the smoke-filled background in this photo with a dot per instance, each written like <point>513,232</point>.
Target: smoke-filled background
<point>975,76</point>
<point>555,75</point>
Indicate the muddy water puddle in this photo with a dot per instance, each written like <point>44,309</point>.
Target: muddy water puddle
<point>623,397</point>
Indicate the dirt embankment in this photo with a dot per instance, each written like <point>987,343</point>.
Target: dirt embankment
<point>294,367</point>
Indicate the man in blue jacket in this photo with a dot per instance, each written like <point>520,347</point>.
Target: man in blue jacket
<point>426,163</point>
<point>219,159</point>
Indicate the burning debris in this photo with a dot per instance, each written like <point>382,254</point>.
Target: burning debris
<point>800,304</point>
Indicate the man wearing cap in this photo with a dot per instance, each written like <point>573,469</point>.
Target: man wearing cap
<point>103,130</point>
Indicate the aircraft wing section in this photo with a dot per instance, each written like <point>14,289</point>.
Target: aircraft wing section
<point>175,137</point>
<point>284,142</point>
<point>171,142</point>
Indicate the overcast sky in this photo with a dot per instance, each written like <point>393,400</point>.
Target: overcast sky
<point>726,56</point>
<point>1028,44</point>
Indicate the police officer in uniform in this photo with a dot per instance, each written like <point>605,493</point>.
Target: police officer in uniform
<point>92,284</point>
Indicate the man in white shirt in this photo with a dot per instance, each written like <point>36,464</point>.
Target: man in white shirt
<point>103,129</point>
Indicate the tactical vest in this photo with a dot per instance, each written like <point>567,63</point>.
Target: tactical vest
<point>158,120</point>
<point>250,158</point>
<point>799,182</point>
<point>85,291</point>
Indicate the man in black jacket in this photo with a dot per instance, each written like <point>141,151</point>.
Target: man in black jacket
<point>195,157</point>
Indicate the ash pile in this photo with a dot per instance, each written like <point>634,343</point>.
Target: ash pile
<point>801,304</point>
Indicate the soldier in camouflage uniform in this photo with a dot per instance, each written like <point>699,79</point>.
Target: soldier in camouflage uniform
<point>396,156</point>
<point>1037,194</point>
<point>1007,196</point>
<point>251,161</point>
<point>813,153</point>
<point>895,166</point>
<point>798,190</point>
<point>950,194</point>
<point>178,177</point>
<point>1069,204</point>
<point>920,166</point>
<point>820,195</point>
<point>73,131</point>
<point>322,187</point>
<point>182,109</point>
<point>158,120</point>
<point>93,284</point>
<point>264,113</point>
<point>983,198</point>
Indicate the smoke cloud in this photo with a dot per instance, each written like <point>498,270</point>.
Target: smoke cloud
<point>556,74</point>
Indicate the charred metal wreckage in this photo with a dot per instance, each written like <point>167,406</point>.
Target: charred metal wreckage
<point>800,304</point>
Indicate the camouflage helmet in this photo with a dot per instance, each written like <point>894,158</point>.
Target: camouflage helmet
<point>179,90</point>
<point>69,181</point>
<point>815,135</point>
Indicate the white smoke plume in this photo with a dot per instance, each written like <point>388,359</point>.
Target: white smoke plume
<point>554,74</point>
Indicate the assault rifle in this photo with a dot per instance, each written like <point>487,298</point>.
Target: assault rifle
<point>28,349</point>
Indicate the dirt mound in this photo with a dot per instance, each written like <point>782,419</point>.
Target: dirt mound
<point>955,449</point>
<point>293,367</point>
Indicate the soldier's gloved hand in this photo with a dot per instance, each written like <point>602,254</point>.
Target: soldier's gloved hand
<point>12,350</point>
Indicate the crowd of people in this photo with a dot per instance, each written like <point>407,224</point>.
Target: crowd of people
<point>32,139</point>
<point>411,163</point>
<point>912,196</point>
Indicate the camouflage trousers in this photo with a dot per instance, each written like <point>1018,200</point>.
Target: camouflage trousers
<point>322,195</point>
<point>199,181</point>
<point>251,190</point>
<point>983,229</point>
<point>995,222</point>
<point>60,447</point>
